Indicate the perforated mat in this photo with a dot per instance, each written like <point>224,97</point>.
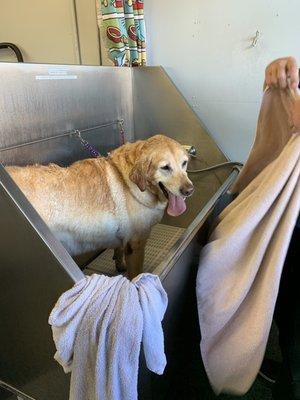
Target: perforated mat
<point>162,238</point>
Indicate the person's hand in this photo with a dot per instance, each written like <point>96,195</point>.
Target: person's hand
<point>282,72</point>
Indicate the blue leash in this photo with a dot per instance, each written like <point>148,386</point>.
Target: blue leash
<point>85,144</point>
<point>91,149</point>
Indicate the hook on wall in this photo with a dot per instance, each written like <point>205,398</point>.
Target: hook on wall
<point>255,39</point>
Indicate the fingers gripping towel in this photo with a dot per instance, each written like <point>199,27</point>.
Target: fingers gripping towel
<point>98,327</point>
<point>240,267</point>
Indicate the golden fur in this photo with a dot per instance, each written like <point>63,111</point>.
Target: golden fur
<point>108,202</point>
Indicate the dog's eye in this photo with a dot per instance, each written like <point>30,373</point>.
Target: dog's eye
<point>184,163</point>
<point>166,167</point>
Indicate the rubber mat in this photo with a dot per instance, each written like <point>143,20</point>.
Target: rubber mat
<point>161,239</point>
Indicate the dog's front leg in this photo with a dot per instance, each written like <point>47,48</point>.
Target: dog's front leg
<point>119,258</point>
<point>134,256</point>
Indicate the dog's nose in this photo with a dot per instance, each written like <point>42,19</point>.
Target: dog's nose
<point>187,190</point>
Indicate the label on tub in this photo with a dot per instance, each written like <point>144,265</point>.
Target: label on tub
<point>56,73</point>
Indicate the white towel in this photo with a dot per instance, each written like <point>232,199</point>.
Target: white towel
<point>240,268</point>
<point>98,326</point>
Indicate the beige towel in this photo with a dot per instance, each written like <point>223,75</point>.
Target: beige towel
<point>240,267</point>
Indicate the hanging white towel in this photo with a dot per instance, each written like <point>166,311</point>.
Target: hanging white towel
<point>240,267</point>
<point>98,327</point>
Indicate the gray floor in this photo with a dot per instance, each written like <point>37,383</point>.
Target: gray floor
<point>189,381</point>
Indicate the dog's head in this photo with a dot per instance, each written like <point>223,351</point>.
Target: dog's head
<point>160,167</point>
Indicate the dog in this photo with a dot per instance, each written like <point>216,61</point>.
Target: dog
<point>113,201</point>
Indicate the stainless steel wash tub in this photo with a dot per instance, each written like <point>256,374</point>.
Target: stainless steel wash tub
<point>41,109</point>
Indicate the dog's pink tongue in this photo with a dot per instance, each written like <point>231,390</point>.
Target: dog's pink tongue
<point>176,205</point>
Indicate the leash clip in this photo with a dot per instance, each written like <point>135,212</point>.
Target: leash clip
<point>77,133</point>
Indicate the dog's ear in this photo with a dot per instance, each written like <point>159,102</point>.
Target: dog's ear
<point>142,172</point>
<point>137,175</point>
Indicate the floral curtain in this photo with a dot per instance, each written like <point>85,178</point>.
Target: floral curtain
<point>122,22</point>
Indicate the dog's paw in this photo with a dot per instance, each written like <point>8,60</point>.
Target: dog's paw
<point>120,266</point>
<point>119,260</point>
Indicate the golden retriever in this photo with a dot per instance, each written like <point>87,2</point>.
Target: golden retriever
<point>110,202</point>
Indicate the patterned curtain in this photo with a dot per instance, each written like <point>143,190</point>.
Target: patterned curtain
<point>122,22</point>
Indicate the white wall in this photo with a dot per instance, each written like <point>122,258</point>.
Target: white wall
<point>204,45</point>
<point>50,31</point>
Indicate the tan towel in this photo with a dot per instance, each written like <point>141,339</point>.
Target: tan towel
<point>240,267</point>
